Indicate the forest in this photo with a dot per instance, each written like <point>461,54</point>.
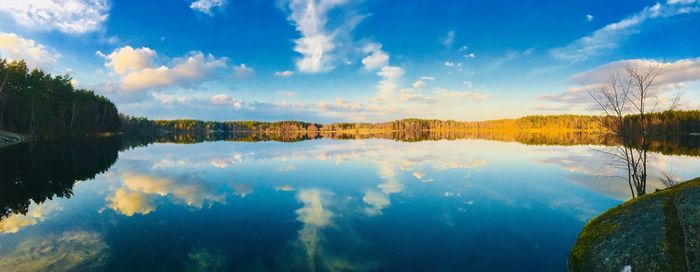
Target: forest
<point>38,104</point>
<point>668,122</point>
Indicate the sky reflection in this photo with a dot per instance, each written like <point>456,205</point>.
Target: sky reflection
<point>329,205</point>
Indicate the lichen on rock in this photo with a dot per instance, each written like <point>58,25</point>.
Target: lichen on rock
<point>655,232</point>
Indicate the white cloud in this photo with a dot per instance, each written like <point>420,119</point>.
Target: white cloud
<point>389,83</point>
<point>14,47</point>
<point>683,70</point>
<point>376,58</point>
<point>241,71</point>
<point>138,70</point>
<point>127,59</point>
<point>449,39</point>
<point>223,99</point>
<point>673,2</point>
<point>284,73</point>
<point>205,6</point>
<point>68,16</point>
<point>609,36</point>
<point>673,77</point>
<point>470,56</point>
<point>419,84</point>
<point>589,17</point>
<point>316,43</point>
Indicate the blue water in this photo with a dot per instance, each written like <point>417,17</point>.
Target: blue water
<point>322,205</point>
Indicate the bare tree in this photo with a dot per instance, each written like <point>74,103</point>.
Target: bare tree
<point>631,90</point>
<point>612,98</point>
<point>668,178</point>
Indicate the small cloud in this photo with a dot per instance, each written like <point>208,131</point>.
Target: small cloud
<point>589,18</point>
<point>470,56</point>
<point>419,84</point>
<point>449,39</point>
<point>112,40</point>
<point>377,57</point>
<point>286,73</point>
<point>450,64</point>
<point>243,71</point>
<point>127,58</point>
<point>427,78</point>
<point>223,99</point>
<point>205,6</point>
<point>463,48</point>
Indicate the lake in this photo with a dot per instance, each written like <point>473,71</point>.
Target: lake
<point>250,204</point>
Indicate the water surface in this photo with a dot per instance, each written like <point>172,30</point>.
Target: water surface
<point>315,205</point>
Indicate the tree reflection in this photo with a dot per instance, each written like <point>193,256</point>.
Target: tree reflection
<point>39,170</point>
<point>674,144</point>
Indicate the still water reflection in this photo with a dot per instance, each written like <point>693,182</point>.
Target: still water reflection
<point>316,205</point>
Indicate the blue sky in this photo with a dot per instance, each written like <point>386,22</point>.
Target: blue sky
<point>349,60</point>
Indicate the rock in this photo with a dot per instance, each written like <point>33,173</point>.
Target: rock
<point>8,138</point>
<point>655,232</point>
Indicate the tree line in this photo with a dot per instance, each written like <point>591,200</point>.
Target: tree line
<point>36,103</point>
<point>669,122</point>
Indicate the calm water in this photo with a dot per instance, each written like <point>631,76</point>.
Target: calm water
<point>316,205</point>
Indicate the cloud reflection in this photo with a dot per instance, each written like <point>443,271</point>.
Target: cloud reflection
<point>37,213</point>
<point>138,193</point>
<point>315,216</point>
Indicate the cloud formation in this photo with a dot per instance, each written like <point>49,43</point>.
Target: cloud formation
<point>674,76</point>
<point>68,16</point>
<point>137,70</point>
<point>608,37</point>
<point>138,193</point>
<point>310,17</point>
<point>15,47</point>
